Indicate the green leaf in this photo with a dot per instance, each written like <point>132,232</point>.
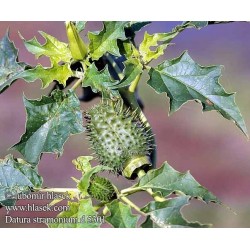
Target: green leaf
<point>127,49</point>
<point>10,68</point>
<point>50,121</point>
<point>100,81</point>
<point>148,223</point>
<point>16,177</point>
<point>150,41</point>
<point>106,40</point>
<point>57,72</point>
<point>82,163</point>
<point>134,27</point>
<point>80,25</point>
<point>133,68</point>
<point>167,214</point>
<point>54,49</point>
<point>84,182</point>
<point>196,24</point>
<point>80,215</point>
<point>183,80</point>
<point>121,215</point>
<point>166,180</point>
<point>137,26</point>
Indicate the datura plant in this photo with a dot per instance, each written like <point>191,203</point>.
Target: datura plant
<point>109,66</point>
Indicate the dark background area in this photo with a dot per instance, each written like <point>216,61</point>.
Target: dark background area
<point>211,147</point>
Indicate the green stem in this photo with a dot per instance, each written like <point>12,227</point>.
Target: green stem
<point>105,210</point>
<point>134,84</point>
<point>115,66</point>
<point>98,206</point>
<point>77,84</point>
<point>128,94</point>
<point>156,197</point>
<point>131,204</point>
<point>141,173</point>
<point>130,190</point>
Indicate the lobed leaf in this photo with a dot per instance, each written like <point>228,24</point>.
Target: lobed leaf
<point>100,81</point>
<point>10,68</point>
<point>16,177</point>
<point>196,24</point>
<point>168,214</point>
<point>134,27</point>
<point>121,215</point>
<point>184,80</point>
<point>50,121</point>
<point>133,68</point>
<point>106,40</point>
<point>54,49</point>
<point>57,72</point>
<point>151,41</point>
<point>80,25</point>
<point>166,180</point>
<point>82,163</point>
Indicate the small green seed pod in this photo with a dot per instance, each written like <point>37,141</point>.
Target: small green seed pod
<point>101,189</point>
<point>119,138</point>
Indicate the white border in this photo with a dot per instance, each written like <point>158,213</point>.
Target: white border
<point>126,238</point>
<point>99,10</point>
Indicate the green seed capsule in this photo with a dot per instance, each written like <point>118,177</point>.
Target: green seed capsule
<point>101,189</point>
<point>118,137</point>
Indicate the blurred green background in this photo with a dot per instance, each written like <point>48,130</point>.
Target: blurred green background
<point>211,147</point>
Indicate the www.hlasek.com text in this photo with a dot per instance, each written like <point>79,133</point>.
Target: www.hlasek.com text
<point>36,208</point>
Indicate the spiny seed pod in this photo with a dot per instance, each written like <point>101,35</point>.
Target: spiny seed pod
<point>101,189</point>
<point>118,137</point>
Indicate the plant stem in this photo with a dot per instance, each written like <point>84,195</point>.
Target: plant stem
<point>141,173</point>
<point>134,84</point>
<point>131,204</point>
<point>77,84</point>
<point>115,66</point>
<point>105,210</point>
<point>154,195</point>
<point>129,96</point>
<point>131,190</point>
<point>98,206</point>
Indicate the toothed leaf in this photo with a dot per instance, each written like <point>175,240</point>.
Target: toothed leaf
<point>184,80</point>
<point>121,215</point>
<point>10,68</point>
<point>16,177</point>
<point>166,180</point>
<point>196,24</point>
<point>151,41</point>
<point>80,25</point>
<point>168,214</point>
<point>106,40</point>
<point>82,163</point>
<point>134,27</point>
<point>50,121</point>
<point>100,81</point>
<point>57,72</point>
<point>133,68</point>
<point>54,49</point>
<point>137,26</point>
